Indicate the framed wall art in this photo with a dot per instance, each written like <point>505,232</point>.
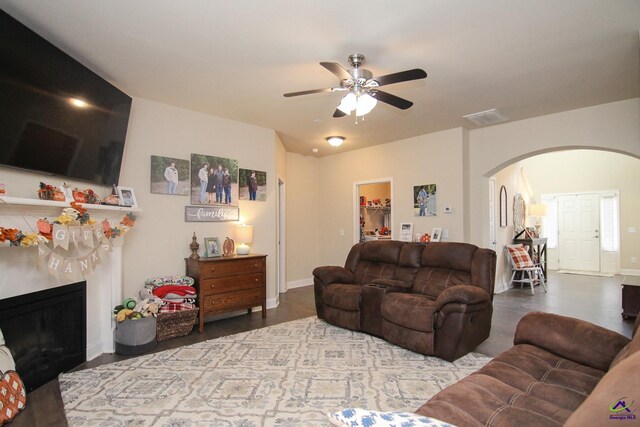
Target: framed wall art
<point>214,180</point>
<point>253,185</point>
<point>170,176</point>
<point>503,206</point>
<point>425,200</point>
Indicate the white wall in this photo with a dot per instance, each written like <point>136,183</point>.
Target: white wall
<point>427,159</point>
<point>304,213</point>
<point>160,240</point>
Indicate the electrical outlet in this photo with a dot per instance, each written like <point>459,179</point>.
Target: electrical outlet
<point>634,260</point>
<point>631,230</point>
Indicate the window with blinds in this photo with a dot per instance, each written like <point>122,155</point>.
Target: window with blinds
<point>609,222</point>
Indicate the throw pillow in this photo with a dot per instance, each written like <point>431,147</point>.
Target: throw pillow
<point>520,256</point>
<point>12,396</point>
<point>356,417</point>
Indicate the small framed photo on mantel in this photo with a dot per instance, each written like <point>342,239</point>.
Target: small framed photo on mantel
<point>127,197</point>
<point>406,232</point>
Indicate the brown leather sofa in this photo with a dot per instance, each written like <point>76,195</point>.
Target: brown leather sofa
<point>434,298</point>
<point>560,371</point>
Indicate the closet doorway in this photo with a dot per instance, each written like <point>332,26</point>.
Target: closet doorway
<point>373,210</point>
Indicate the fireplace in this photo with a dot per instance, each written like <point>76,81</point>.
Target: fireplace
<point>46,331</point>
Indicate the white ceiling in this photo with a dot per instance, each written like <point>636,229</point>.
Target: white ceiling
<point>235,59</point>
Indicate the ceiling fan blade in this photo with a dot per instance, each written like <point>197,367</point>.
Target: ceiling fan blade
<point>307,92</point>
<point>402,76</point>
<point>339,113</point>
<point>337,69</point>
<point>396,101</point>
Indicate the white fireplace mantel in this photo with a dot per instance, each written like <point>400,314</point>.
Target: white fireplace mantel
<point>22,272</point>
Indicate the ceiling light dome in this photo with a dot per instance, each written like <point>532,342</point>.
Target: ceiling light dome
<point>335,141</point>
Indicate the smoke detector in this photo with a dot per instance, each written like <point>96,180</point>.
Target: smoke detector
<point>486,118</point>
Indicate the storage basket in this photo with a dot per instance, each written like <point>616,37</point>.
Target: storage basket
<point>175,324</point>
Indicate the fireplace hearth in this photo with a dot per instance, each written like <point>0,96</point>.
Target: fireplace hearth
<point>46,332</point>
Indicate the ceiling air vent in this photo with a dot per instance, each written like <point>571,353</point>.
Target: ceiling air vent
<point>485,118</point>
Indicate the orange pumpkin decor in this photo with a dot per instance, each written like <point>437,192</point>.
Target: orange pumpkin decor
<point>106,227</point>
<point>79,196</point>
<point>426,237</point>
<point>228,247</point>
<point>58,196</point>
<point>45,228</point>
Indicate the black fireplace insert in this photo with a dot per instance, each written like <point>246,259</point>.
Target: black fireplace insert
<point>46,332</point>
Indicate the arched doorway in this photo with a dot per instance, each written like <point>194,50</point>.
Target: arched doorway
<point>606,179</point>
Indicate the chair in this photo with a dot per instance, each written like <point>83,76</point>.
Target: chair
<point>529,271</point>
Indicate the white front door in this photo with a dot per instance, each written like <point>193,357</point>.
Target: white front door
<point>579,232</point>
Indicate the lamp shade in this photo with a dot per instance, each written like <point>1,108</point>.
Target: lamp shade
<point>537,210</point>
<point>244,235</point>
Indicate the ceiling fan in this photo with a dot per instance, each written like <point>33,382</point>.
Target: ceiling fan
<point>363,88</point>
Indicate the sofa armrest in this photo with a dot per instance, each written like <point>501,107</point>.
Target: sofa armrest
<point>327,275</point>
<point>392,283</point>
<point>462,294</point>
<point>571,338</point>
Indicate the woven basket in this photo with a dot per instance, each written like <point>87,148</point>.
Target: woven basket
<point>175,324</point>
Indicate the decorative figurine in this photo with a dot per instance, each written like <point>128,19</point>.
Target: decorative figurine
<point>194,246</point>
<point>228,247</point>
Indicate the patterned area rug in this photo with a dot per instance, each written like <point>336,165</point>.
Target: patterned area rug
<point>290,374</point>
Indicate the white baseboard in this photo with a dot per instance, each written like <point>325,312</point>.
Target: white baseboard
<point>94,350</point>
<point>300,283</point>
<point>272,303</point>
<point>630,271</point>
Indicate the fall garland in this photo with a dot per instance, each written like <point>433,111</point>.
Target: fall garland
<point>75,215</point>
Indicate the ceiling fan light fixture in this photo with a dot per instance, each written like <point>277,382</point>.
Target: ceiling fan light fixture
<point>335,141</point>
<point>365,104</point>
<point>348,103</point>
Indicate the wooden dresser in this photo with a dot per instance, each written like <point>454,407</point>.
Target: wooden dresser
<point>226,284</point>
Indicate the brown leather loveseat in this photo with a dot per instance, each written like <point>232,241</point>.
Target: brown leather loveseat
<point>560,371</point>
<point>435,298</point>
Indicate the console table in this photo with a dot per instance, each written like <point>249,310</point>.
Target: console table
<point>537,250</point>
<point>630,296</point>
<point>226,284</point>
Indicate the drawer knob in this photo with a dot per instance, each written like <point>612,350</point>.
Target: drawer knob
<point>255,265</point>
<point>213,286</point>
<point>256,280</point>
<point>212,302</point>
<point>213,268</point>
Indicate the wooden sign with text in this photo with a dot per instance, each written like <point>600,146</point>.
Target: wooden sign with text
<point>211,213</point>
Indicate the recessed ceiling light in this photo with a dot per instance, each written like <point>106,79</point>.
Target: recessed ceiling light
<point>77,102</point>
<point>314,150</point>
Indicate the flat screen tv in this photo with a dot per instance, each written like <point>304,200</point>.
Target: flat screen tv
<point>57,116</point>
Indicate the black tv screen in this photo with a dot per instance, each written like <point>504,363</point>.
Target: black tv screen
<point>56,115</point>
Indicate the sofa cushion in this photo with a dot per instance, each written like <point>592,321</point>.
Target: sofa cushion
<point>525,385</point>
<point>431,281</point>
<point>344,297</point>
<point>545,375</point>
<point>481,400</point>
<point>619,389</point>
<point>409,310</point>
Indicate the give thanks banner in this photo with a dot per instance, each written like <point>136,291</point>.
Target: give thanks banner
<point>89,239</point>
<point>72,233</point>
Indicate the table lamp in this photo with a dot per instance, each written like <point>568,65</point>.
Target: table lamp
<point>244,235</point>
<point>537,210</point>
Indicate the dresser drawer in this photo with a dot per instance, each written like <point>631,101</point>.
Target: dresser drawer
<point>221,269</point>
<point>232,283</point>
<point>233,301</point>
